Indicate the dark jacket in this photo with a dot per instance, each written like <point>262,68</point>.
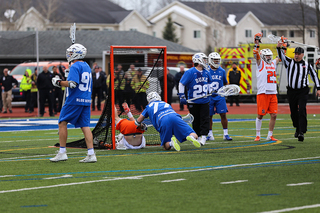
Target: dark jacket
<point>170,81</point>
<point>177,78</point>
<point>7,82</point>
<point>234,76</point>
<point>44,80</point>
<point>98,83</point>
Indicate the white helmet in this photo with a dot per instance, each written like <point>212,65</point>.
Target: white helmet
<point>76,51</point>
<point>200,58</point>
<point>214,59</point>
<point>264,53</point>
<point>153,96</point>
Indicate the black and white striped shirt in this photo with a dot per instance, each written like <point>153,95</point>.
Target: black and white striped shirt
<point>297,72</point>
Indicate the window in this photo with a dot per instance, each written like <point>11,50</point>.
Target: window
<point>291,33</point>
<point>196,34</point>
<point>264,33</point>
<point>215,33</point>
<point>312,34</point>
<point>274,32</point>
<point>133,29</point>
<point>108,29</point>
<point>154,33</point>
<point>31,29</point>
<point>248,33</point>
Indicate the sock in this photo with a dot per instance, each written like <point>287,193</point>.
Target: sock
<point>90,151</point>
<point>270,133</point>
<point>62,149</point>
<point>225,131</point>
<point>210,132</point>
<point>129,114</point>
<point>170,143</point>
<point>258,126</point>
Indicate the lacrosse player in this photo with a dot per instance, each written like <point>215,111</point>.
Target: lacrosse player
<point>130,136</point>
<point>267,101</point>
<point>197,80</point>
<point>76,109</point>
<point>168,123</point>
<point>217,103</point>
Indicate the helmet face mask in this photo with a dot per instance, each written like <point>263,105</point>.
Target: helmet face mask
<point>153,96</point>
<point>200,58</point>
<point>266,55</point>
<point>76,51</point>
<point>214,60</point>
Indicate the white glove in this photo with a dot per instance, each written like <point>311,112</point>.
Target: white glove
<point>66,73</point>
<point>56,81</point>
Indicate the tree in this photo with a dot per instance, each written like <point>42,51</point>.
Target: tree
<point>169,31</point>
<point>318,19</point>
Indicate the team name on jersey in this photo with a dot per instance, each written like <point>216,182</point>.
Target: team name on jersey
<point>201,79</point>
<point>81,100</point>
<point>216,77</point>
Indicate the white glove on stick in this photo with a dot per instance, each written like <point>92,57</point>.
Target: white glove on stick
<point>56,81</point>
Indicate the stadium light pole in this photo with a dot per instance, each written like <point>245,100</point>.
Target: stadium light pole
<point>37,55</point>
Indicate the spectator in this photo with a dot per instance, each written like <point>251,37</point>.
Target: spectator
<point>7,81</point>
<point>234,76</point>
<point>45,90</point>
<point>34,90</point>
<point>177,78</point>
<point>170,85</point>
<point>140,85</point>
<point>297,89</point>
<point>57,92</point>
<point>119,84</point>
<point>128,91</point>
<point>97,82</point>
<point>25,87</point>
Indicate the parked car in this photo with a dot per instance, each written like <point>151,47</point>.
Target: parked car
<point>20,70</point>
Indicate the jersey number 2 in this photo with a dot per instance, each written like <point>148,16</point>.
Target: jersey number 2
<point>271,74</point>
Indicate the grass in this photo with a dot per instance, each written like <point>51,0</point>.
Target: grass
<point>223,176</point>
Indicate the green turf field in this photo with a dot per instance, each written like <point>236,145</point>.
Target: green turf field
<point>234,176</point>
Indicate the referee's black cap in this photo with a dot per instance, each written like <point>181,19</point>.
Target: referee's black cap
<point>298,50</point>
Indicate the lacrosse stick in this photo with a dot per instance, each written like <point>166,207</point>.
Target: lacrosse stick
<point>275,39</point>
<point>227,90</point>
<point>73,40</point>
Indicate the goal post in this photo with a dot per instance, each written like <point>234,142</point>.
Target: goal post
<point>154,57</point>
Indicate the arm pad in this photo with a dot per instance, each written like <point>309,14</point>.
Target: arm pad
<point>72,84</point>
<point>137,123</point>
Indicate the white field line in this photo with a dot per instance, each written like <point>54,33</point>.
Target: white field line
<point>299,184</point>
<point>168,181</point>
<point>150,175</point>
<point>63,176</point>
<point>236,181</point>
<point>293,209</point>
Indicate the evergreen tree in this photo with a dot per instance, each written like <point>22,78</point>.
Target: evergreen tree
<point>169,31</point>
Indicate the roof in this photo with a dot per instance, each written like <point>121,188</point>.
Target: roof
<point>80,11</point>
<point>53,44</point>
<point>267,13</point>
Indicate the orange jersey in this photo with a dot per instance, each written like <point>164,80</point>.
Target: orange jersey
<point>128,127</point>
<point>267,103</point>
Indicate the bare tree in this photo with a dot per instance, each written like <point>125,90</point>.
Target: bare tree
<point>162,3</point>
<point>318,19</point>
<point>20,7</point>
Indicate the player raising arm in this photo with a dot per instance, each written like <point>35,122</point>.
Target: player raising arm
<point>167,122</point>
<point>267,101</point>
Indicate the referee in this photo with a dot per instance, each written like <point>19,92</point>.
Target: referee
<point>297,89</point>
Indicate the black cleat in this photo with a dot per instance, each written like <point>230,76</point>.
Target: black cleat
<point>300,137</point>
<point>296,134</point>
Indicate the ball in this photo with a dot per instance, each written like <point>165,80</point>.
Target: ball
<point>314,115</point>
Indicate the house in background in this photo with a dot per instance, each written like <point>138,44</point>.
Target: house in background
<point>218,24</point>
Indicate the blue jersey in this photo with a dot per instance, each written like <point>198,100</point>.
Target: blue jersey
<point>218,79</point>
<point>197,83</point>
<point>80,73</point>
<point>156,110</point>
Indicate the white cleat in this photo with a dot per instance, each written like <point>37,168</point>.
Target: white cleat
<point>202,141</point>
<point>210,138</point>
<point>89,159</point>
<point>59,157</point>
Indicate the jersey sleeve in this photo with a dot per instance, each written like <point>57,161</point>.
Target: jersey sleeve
<point>185,78</point>
<point>145,112</point>
<point>74,74</point>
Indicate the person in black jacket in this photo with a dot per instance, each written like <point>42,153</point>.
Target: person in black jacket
<point>57,92</point>
<point>98,80</point>
<point>234,76</point>
<point>177,78</point>
<point>7,81</point>
<point>170,85</point>
<point>45,88</point>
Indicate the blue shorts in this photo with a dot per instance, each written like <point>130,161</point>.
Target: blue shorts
<point>172,124</point>
<point>77,115</point>
<point>217,105</point>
